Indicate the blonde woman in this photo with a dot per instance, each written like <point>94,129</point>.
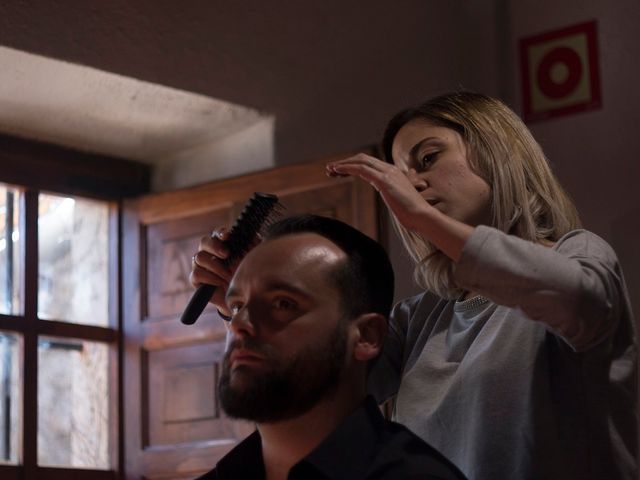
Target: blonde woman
<point>518,361</point>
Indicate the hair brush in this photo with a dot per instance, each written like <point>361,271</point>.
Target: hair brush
<point>261,210</point>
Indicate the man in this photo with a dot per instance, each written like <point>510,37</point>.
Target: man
<point>308,310</point>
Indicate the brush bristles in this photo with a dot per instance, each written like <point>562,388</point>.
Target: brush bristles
<point>261,211</point>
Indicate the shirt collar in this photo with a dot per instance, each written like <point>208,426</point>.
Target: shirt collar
<point>348,452</point>
<point>244,461</point>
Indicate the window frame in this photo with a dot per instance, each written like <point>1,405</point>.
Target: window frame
<point>35,168</point>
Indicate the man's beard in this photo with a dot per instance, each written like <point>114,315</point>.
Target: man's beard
<point>290,387</point>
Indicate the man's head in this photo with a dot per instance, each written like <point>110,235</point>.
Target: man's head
<point>309,307</point>
<point>365,281</point>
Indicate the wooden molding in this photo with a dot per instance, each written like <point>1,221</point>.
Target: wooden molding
<point>50,167</point>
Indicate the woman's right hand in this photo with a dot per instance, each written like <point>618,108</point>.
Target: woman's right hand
<point>208,267</point>
<point>399,190</point>
<point>402,193</point>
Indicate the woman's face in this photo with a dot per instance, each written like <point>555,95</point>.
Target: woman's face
<point>438,156</point>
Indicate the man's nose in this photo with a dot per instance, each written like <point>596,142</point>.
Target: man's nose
<point>241,323</point>
<point>418,181</point>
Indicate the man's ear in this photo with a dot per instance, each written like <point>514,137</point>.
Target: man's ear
<point>371,331</point>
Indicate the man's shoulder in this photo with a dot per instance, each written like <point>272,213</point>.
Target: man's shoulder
<point>405,455</point>
<point>211,475</point>
<point>242,461</point>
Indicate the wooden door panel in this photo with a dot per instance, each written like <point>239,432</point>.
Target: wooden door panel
<point>183,405</point>
<point>174,426</point>
<point>331,200</point>
<point>169,246</point>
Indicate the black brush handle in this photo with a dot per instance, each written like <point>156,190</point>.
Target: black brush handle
<point>258,213</point>
<point>197,304</point>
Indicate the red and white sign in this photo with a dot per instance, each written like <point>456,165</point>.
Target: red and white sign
<point>560,73</point>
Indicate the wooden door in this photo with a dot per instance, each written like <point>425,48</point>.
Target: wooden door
<point>173,425</point>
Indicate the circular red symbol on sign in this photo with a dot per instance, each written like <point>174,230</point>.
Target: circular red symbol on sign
<point>566,61</point>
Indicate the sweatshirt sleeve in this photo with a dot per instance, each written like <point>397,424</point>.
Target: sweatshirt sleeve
<point>575,288</point>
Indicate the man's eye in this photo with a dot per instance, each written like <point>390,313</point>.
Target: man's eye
<point>427,160</point>
<point>235,308</point>
<point>284,304</point>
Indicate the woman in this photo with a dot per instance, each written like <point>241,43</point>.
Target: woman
<point>518,362</point>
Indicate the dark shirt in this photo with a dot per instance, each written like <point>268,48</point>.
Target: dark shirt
<point>365,446</point>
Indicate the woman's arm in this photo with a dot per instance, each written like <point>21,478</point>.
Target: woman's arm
<point>575,288</point>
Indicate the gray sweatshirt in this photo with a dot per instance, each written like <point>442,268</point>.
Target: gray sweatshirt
<point>535,379</point>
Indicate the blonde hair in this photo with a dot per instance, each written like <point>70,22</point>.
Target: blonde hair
<point>527,199</point>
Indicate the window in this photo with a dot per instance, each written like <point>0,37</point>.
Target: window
<point>10,344</point>
<point>73,253</point>
<point>9,397</point>
<point>10,272</point>
<point>58,335</point>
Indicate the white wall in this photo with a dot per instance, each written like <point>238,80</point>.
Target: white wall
<point>332,73</point>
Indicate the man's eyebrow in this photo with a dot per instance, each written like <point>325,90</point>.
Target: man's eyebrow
<point>231,292</point>
<point>273,285</point>
<point>287,287</point>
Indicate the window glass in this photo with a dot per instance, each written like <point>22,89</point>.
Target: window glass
<point>73,241</point>
<point>73,377</point>
<point>9,397</point>
<point>10,265</point>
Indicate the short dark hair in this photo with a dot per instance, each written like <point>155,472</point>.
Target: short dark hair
<point>366,281</point>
